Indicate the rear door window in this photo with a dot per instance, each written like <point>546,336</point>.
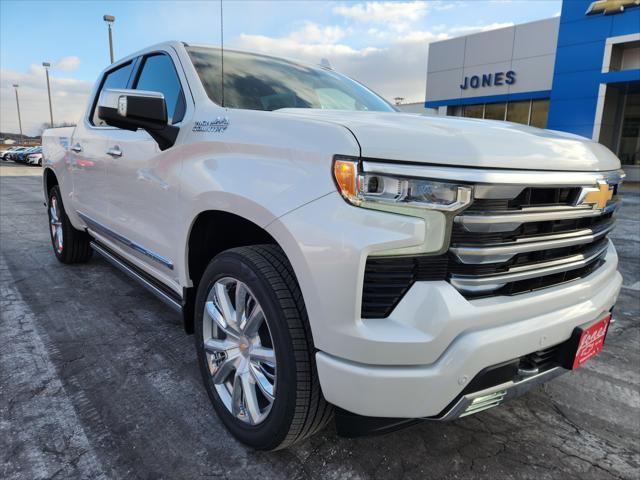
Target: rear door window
<point>118,78</point>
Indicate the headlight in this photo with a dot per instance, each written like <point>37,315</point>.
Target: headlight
<point>386,192</point>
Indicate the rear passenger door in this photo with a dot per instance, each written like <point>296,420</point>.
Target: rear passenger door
<point>87,153</point>
<point>143,179</point>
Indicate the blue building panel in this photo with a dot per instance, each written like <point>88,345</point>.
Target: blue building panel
<point>576,82</point>
<point>575,111</point>
<point>589,29</point>
<point>580,57</point>
<point>621,77</point>
<point>573,85</point>
<point>628,22</point>
<point>507,97</point>
<point>574,10</point>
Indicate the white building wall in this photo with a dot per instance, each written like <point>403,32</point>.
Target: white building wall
<point>527,49</point>
<point>417,107</point>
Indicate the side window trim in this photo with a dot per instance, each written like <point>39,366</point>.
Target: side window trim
<point>137,71</point>
<point>134,67</point>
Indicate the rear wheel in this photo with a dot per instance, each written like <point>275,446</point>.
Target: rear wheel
<point>255,349</point>
<point>69,245</point>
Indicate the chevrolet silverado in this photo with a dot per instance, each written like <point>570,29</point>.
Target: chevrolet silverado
<point>337,259</point>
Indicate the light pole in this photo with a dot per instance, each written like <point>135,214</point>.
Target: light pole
<point>110,19</point>
<point>46,66</point>
<point>15,85</point>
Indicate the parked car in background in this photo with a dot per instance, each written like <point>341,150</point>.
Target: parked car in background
<point>35,157</point>
<point>16,154</point>
<point>5,151</point>
<point>327,250</point>
<point>21,157</point>
<point>12,152</point>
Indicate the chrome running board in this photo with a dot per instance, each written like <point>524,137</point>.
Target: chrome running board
<point>170,298</point>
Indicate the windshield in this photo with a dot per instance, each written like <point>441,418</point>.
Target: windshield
<point>260,82</point>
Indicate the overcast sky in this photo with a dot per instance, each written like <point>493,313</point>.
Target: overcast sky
<point>382,44</point>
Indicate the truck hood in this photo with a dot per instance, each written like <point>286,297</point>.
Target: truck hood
<point>465,142</point>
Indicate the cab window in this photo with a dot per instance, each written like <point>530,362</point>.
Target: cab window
<point>118,78</point>
<point>159,75</point>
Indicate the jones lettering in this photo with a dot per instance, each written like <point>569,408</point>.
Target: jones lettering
<point>495,79</point>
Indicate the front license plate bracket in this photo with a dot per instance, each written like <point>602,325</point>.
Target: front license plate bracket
<point>585,343</point>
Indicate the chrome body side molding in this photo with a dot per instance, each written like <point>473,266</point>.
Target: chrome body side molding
<point>100,228</point>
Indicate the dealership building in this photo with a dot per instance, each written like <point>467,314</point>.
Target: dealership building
<point>579,73</point>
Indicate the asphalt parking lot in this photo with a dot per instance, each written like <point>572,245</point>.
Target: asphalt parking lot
<point>98,380</point>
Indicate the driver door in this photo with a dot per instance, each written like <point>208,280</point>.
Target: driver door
<point>143,179</point>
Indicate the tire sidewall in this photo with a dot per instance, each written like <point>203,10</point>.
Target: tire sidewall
<point>272,431</point>
<point>55,192</point>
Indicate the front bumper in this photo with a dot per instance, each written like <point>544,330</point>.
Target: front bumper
<point>420,358</point>
<point>417,391</point>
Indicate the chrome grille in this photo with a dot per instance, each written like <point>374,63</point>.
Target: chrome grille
<point>524,231</point>
<point>510,240</point>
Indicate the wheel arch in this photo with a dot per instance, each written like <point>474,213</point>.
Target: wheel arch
<point>204,242</point>
<point>49,179</point>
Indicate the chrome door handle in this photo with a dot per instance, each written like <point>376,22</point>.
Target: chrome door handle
<point>76,148</point>
<point>115,151</point>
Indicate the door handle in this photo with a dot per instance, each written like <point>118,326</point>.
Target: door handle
<point>76,148</point>
<point>115,151</point>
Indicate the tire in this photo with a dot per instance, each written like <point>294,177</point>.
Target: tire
<point>299,409</point>
<point>75,245</point>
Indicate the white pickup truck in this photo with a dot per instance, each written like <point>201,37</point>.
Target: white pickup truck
<point>336,258</point>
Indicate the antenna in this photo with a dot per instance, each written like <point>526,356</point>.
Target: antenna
<point>221,53</point>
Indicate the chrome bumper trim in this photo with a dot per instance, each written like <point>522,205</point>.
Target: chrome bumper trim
<point>491,397</point>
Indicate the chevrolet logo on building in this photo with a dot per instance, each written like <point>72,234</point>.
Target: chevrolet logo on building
<point>597,196</point>
<point>611,6</point>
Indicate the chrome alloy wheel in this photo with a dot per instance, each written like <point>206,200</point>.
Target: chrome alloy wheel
<point>239,350</point>
<point>55,220</point>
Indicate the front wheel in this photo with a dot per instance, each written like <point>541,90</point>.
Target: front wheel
<point>255,349</point>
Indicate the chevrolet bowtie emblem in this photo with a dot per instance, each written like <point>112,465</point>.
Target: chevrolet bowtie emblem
<point>598,196</point>
<point>610,6</point>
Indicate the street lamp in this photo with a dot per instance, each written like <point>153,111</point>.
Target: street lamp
<point>110,19</point>
<point>15,85</point>
<point>46,66</point>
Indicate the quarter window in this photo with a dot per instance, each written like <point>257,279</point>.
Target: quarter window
<point>159,75</point>
<point>118,78</point>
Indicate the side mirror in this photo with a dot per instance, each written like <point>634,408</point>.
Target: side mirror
<point>134,109</point>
